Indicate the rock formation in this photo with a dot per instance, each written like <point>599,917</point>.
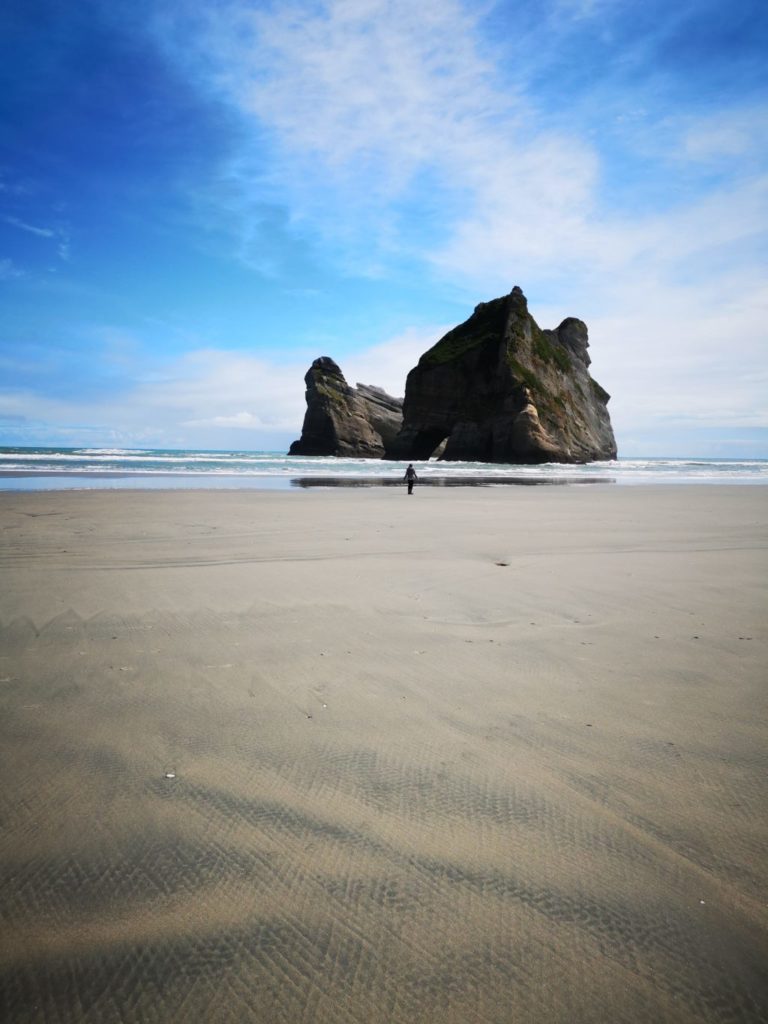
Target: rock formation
<point>498,388</point>
<point>356,422</point>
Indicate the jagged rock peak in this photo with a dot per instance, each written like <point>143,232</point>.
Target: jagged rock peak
<point>341,420</point>
<point>498,388</point>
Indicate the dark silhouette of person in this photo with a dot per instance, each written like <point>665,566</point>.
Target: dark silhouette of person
<point>410,477</point>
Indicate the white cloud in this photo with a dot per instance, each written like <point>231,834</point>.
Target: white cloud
<point>246,420</point>
<point>386,116</point>
<point>725,134</point>
<point>194,398</point>
<point>387,364</point>
<point>211,396</point>
<point>672,355</point>
<point>207,385</point>
<point>363,100</point>
<point>364,80</point>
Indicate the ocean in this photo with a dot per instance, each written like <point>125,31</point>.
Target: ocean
<point>26,469</point>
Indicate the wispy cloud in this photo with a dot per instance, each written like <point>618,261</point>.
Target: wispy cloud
<point>397,132</point>
<point>58,234</point>
<point>387,364</point>
<point>8,270</point>
<point>581,9</point>
<point>245,420</point>
<point>364,102</point>
<point>32,229</point>
<point>726,135</point>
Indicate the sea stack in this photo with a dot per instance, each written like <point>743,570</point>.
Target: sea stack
<point>354,422</point>
<point>498,388</point>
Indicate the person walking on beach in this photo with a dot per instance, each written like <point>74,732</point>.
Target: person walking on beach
<point>410,477</point>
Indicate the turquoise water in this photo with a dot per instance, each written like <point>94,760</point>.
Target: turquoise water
<point>65,468</point>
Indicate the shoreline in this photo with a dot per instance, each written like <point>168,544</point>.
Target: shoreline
<point>39,481</point>
<point>150,469</point>
<point>267,482</point>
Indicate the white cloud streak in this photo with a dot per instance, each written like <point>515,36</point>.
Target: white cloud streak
<point>59,234</point>
<point>31,229</point>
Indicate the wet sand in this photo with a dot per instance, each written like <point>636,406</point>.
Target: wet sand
<point>470,756</point>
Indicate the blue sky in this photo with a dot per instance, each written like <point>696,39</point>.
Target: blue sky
<point>198,200</point>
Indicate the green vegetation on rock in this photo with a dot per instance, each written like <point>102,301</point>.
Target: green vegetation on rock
<point>330,392</point>
<point>549,353</point>
<point>485,324</point>
<point>523,374</point>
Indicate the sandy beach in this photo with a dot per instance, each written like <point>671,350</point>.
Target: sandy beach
<point>477,755</point>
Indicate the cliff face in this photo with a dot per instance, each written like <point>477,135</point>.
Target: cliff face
<point>498,388</point>
<point>357,422</point>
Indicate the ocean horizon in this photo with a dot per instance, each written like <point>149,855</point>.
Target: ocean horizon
<point>65,468</point>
